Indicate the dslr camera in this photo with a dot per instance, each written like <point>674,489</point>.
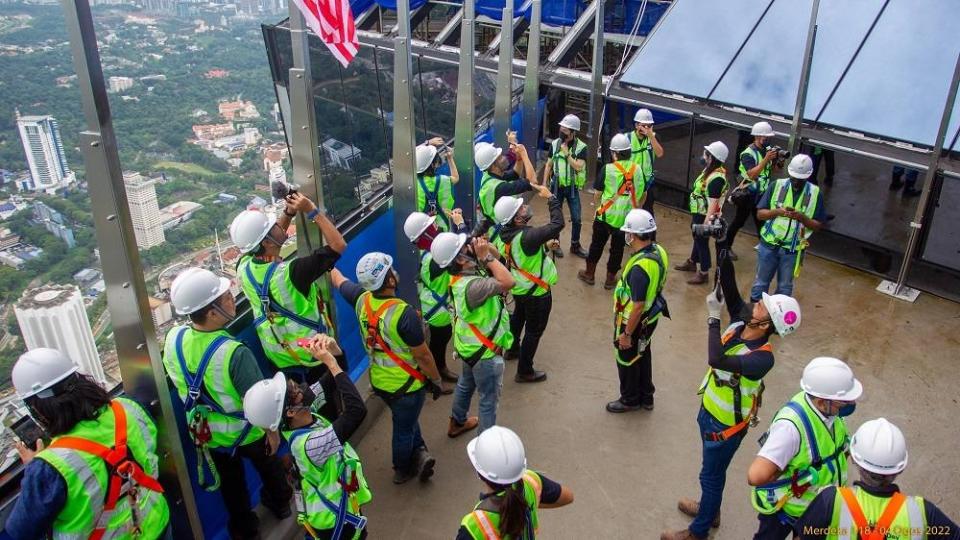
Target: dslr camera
<point>715,229</point>
<point>281,190</point>
<point>782,155</point>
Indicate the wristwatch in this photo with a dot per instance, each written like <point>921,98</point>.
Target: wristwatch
<point>313,214</point>
<point>489,259</point>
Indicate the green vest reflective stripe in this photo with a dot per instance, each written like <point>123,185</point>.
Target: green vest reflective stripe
<point>820,462</point>
<point>87,479</point>
<point>490,319</point>
<point>562,170</point>
<point>699,195</point>
<point>618,206</point>
<point>763,179</point>
<point>325,479</point>
<point>720,388</point>
<point>910,522</point>
<point>283,330</point>
<point>783,231</point>
<point>642,154</point>
<point>655,263</point>
<point>538,265</point>
<point>434,294</point>
<point>484,522</point>
<point>488,195</point>
<point>385,374</point>
<point>216,382</point>
<point>437,198</point>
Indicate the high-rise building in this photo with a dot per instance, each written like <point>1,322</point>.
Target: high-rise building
<point>54,316</point>
<point>144,210</point>
<point>44,148</point>
<point>119,84</point>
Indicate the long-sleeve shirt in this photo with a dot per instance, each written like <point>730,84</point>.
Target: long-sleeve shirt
<point>323,443</point>
<point>304,271</point>
<point>512,185</point>
<point>534,238</point>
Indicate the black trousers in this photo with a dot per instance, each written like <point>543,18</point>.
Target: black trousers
<point>700,253</point>
<point>771,528</point>
<point>648,206</point>
<point>275,493</point>
<point>739,220</point>
<point>598,240</point>
<point>530,317</point>
<point>439,339</point>
<point>636,379</point>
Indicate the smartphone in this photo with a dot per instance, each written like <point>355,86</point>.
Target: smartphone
<point>28,432</point>
<point>304,342</point>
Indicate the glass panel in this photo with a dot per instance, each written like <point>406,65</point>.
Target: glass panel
<point>906,64</point>
<point>693,44</point>
<point>943,242</point>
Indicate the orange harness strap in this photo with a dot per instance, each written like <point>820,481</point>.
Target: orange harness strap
<point>863,526</point>
<point>737,428</point>
<point>373,334</point>
<point>487,342</point>
<point>626,185</point>
<point>513,264</point>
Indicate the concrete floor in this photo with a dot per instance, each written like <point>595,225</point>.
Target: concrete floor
<point>628,471</point>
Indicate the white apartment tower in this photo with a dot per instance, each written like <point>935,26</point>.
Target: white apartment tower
<point>53,316</point>
<point>44,148</point>
<point>144,211</point>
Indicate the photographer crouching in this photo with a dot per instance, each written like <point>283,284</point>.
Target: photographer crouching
<point>705,204</point>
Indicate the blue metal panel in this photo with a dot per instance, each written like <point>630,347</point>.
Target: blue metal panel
<point>494,8</point>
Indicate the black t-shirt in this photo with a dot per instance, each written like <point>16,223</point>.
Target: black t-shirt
<point>409,326</point>
<point>304,271</point>
<point>715,187</point>
<point>639,280</point>
<point>549,494</point>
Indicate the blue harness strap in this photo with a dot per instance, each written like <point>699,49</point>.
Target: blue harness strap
<point>267,304</point>
<point>433,204</point>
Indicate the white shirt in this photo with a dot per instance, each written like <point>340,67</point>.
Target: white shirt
<point>783,440</point>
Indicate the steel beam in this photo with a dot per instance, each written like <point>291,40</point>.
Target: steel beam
<point>519,26</point>
<point>465,130</point>
<point>404,197</point>
<point>504,98</point>
<point>531,84</point>
<point>576,37</point>
<point>141,368</point>
<point>367,19</point>
<point>596,94</point>
<point>795,126</point>
<point>449,31</point>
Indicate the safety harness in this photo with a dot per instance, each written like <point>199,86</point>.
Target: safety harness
<point>433,206</point>
<point>734,384</point>
<point>441,301</point>
<point>485,340</point>
<point>199,405</point>
<point>343,515</point>
<point>659,302</point>
<point>491,503</point>
<point>627,185</point>
<point>880,530</point>
<point>648,149</point>
<point>375,341</point>
<point>804,202</point>
<point>126,475</point>
<point>513,265</point>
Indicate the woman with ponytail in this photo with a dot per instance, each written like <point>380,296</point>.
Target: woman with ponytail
<point>508,507</point>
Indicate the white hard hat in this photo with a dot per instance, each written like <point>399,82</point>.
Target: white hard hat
<point>38,370</point>
<point>571,121</point>
<point>784,311</point>
<point>498,455</point>
<point>372,269</point>
<point>620,143</point>
<point>718,150</point>
<point>643,116</point>
<point>879,447</point>
<point>762,129</point>
<point>829,378</point>
<point>801,166</point>
<point>446,246</point>
<point>639,221</point>
<point>263,402</point>
<point>416,224</point>
<point>484,154</point>
<point>506,208</point>
<point>249,228</point>
<point>196,288</point>
<point>426,153</point>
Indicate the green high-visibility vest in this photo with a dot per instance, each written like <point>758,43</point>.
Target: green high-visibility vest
<point>762,179</point>
<point>821,461</point>
<point>490,319</point>
<point>325,479</point>
<point>488,195</point>
<point>217,384</point>
<point>783,231</point>
<point>910,523</point>
<point>526,267</point>
<point>434,294</point>
<point>87,479</point>
<point>385,374</point>
<point>617,201</point>
<point>720,388</point>
<point>435,197</point>
<point>562,169</point>
<point>698,197</point>
<point>484,522</point>
<point>655,263</point>
<point>279,336</point>
<point>643,156</point>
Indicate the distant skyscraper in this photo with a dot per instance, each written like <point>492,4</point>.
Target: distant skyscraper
<point>144,211</point>
<point>54,316</point>
<point>45,155</point>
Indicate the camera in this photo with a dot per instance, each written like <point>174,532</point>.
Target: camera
<point>782,155</point>
<point>281,190</point>
<point>715,229</point>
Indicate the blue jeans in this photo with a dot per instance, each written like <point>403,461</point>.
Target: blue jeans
<point>773,261</point>
<point>717,456</point>
<point>571,195</point>
<point>406,428</point>
<point>486,377</point>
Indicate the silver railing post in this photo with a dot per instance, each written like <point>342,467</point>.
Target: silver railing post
<point>596,94</point>
<point>503,104</point>
<point>465,128</point>
<point>794,144</point>
<point>531,84</point>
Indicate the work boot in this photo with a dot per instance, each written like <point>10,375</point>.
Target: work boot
<point>688,266</point>
<point>557,252</point>
<point>512,353</point>
<point>425,464</point>
<point>621,407</point>
<point>455,430</point>
<point>683,534</point>
<point>448,375</point>
<point>536,376</point>
<point>577,251</point>
<point>445,388</point>
<point>699,278</point>
<point>611,281</point>
<point>586,275</point>
<point>691,508</point>
<point>401,476</point>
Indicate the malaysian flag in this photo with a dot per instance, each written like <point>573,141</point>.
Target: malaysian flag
<point>332,20</point>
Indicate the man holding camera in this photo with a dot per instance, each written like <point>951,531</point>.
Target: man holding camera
<point>566,173</point>
<point>792,209</point>
<point>502,173</point>
<point>645,148</point>
<point>706,204</point>
<point>757,162</point>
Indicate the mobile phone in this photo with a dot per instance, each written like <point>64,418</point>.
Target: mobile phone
<point>304,342</point>
<point>28,432</point>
